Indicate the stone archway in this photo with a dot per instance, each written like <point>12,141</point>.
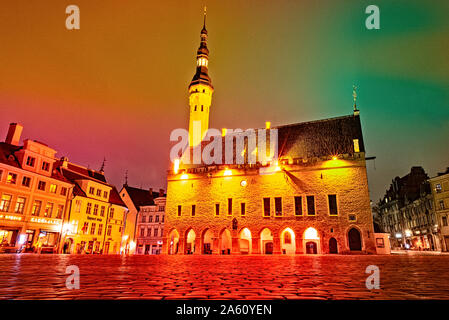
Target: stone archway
<point>333,246</point>
<point>190,242</point>
<point>173,242</point>
<point>266,241</point>
<point>354,240</point>
<point>225,242</point>
<point>245,241</point>
<point>207,242</point>
<point>288,241</point>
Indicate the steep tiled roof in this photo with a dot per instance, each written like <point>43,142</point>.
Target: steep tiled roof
<point>7,154</point>
<point>141,197</point>
<point>114,197</point>
<point>87,172</point>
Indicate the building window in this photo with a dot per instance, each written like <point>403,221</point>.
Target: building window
<point>111,213</point>
<point>95,209</point>
<point>242,209</point>
<point>45,166</point>
<point>91,190</point>
<point>266,207</point>
<point>356,145</point>
<point>298,206</point>
<point>150,218</point>
<point>161,208</point>
<point>41,185</point>
<point>310,205</point>
<point>6,202</point>
<point>89,208</point>
<point>37,205</point>
<point>217,209</point>
<point>444,221</point>
<point>48,209</point>
<point>193,211</point>
<point>163,218</point>
<point>52,188</point>
<point>157,217</point>
<point>109,230</point>
<point>60,211</point>
<point>30,161</point>
<point>1,174</point>
<point>26,181</point>
<point>98,192</point>
<point>179,211</point>
<point>142,232</point>
<point>105,194</point>
<point>230,207</point>
<point>352,217</point>
<point>20,205</point>
<point>278,206</point>
<point>100,229</point>
<point>333,210</point>
<point>63,191</point>
<point>85,228</point>
<point>149,231</point>
<point>102,211</point>
<point>78,206</point>
<point>438,188</point>
<point>441,204</point>
<point>92,228</point>
<point>12,178</point>
<point>155,232</point>
<point>143,219</point>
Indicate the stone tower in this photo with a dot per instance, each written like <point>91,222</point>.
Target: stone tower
<point>200,93</point>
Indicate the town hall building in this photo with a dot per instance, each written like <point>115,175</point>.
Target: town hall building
<point>312,198</point>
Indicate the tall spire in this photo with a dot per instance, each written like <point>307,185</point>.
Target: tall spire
<point>202,59</point>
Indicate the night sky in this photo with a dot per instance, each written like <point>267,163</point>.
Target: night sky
<point>118,86</point>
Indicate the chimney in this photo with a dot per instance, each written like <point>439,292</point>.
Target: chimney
<point>151,191</point>
<point>14,133</point>
<point>64,162</point>
<point>161,192</point>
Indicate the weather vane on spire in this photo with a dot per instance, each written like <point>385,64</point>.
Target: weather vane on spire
<point>205,11</point>
<point>354,95</point>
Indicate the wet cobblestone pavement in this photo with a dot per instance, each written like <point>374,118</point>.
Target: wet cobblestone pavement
<point>224,277</point>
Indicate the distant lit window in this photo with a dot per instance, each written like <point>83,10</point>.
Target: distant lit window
<point>12,178</point>
<point>441,204</point>
<point>52,188</point>
<point>444,221</point>
<point>60,211</point>
<point>438,188</point>
<point>63,191</point>
<point>37,205</point>
<point>5,203</point>
<point>356,145</point>
<point>30,161</point>
<point>85,228</point>
<point>26,181</point>
<point>48,209</point>
<point>20,205</point>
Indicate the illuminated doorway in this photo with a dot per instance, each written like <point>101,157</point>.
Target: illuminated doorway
<point>288,241</point>
<point>245,241</point>
<point>311,241</point>
<point>190,242</point>
<point>225,242</point>
<point>266,241</point>
<point>208,242</point>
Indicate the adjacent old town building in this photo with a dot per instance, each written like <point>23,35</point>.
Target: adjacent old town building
<point>440,191</point>
<point>312,198</point>
<point>148,210</point>
<point>50,205</point>
<point>407,212</point>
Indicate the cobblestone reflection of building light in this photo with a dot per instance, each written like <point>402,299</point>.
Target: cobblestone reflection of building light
<point>227,172</point>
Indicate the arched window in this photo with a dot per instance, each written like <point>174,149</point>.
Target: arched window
<point>195,108</point>
<point>287,238</point>
<point>201,107</point>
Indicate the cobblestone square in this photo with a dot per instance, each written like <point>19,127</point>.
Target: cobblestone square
<point>30,276</point>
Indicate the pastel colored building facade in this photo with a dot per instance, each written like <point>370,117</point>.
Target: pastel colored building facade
<point>440,192</point>
<point>33,195</point>
<point>313,198</point>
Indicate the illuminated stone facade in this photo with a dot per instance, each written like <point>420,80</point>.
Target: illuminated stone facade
<point>312,199</point>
